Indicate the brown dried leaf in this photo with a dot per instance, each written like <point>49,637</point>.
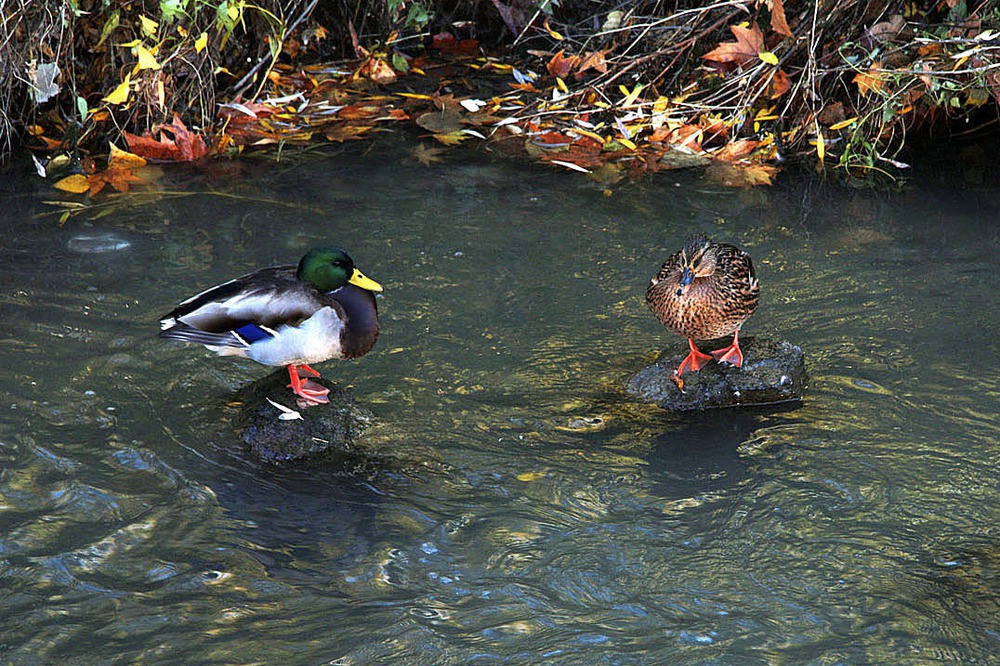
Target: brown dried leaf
<point>749,42</point>
<point>427,156</point>
<point>735,150</point>
<point>561,65</point>
<point>778,22</point>
<point>741,175</point>
<point>780,84</point>
<point>441,121</point>
<point>345,132</point>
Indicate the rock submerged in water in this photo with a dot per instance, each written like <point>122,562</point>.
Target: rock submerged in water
<point>321,430</point>
<point>773,371</point>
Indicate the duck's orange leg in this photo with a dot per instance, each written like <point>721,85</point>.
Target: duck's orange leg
<point>310,392</point>
<point>730,354</point>
<point>694,361</point>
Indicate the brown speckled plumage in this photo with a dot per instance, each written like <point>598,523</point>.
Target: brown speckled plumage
<point>704,291</point>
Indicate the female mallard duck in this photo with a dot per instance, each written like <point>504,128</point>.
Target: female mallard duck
<point>705,291</point>
<point>285,315</point>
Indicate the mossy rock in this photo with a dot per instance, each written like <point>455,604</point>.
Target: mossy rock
<point>321,431</point>
<point>773,372</point>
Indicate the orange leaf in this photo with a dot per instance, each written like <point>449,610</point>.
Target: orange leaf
<point>116,177</point>
<point>749,42</point>
<point>779,84</point>
<point>870,80</point>
<point>345,132</point>
<point>378,70</point>
<point>593,60</point>
<point>778,22</point>
<point>735,150</point>
<point>357,111</point>
<point>561,66</point>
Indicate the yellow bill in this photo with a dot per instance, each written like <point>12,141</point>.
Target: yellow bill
<point>358,279</point>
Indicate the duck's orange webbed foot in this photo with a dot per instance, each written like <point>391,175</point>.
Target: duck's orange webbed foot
<point>310,393</point>
<point>731,354</point>
<point>694,361</point>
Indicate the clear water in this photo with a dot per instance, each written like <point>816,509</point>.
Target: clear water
<point>511,505</point>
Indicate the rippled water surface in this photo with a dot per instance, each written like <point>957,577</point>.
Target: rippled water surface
<point>511,504</point>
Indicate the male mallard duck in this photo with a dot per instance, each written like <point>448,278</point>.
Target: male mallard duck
<point>285,315</point>
<point>705,291</point>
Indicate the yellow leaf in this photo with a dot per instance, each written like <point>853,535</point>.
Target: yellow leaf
<point>120,94</point>
<point>768,57</point>
<point>843,123</point>
<point>201,42</point>
<point>149,26</point>
<point>233,12</point>
<point>625,142</point>
<point>77,184</point>
<point>552,33</point>
<point>146,59</point>
<point>630,97</point>
<point>530,476</point>
<point>593,135</point>
<point>820,146</point>
<point>562,85</point>
<point>124,159</point>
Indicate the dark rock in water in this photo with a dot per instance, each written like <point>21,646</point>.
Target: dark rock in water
<point>772,372</point>
<point>321,430</point>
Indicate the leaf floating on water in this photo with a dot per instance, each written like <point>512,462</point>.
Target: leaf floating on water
<point>528,477</point>
<point>427,156</point>
<point>76,183</point>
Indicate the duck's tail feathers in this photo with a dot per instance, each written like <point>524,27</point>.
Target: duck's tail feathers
<point>216,341</point>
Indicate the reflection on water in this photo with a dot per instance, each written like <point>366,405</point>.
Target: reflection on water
<point>510,505</point>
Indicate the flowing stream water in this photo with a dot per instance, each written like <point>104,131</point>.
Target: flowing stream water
<point>510,504</point>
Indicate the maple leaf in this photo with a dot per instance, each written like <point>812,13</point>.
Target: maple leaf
<point>117,177</point>
<point>561,65</point>
<point>741,175</point>
<point>185,146</point>
<point>427,156</point>
<point>594,60</point>
<point>749,42</point>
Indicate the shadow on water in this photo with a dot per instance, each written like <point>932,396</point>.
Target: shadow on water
<point>303,525</point>
<point>700,453</point>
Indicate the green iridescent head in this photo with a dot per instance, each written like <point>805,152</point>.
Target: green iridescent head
<point>329,268</point>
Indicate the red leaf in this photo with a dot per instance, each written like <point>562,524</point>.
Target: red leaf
<point>186,146</point>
